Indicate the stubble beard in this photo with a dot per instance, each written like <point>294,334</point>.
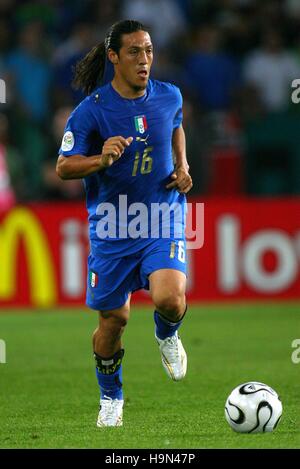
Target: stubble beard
<point>138,88</point>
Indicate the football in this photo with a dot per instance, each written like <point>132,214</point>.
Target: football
<point>253,407</point>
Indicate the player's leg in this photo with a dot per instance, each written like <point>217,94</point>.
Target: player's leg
<point>107,336</point>
<point>108,353</point>
<point>167,290</point>
<point>108,292</point>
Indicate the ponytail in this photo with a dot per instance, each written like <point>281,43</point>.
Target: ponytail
<point>89,71</point>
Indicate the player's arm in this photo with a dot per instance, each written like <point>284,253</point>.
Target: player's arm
<point>80,166</point>
<point>179,148</point>
<point>182,180</point>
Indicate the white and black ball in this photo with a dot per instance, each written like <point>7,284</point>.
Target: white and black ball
<point>253,407</point>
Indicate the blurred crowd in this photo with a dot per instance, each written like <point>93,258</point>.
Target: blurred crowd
<point>234,61</point>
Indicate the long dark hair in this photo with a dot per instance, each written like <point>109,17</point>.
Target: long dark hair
<point>89,71</point>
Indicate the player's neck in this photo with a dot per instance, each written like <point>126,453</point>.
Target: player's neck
<point>125,90</point>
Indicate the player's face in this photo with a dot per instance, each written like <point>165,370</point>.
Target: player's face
<point>135,59</point>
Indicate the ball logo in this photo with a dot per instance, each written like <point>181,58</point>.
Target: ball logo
<point>255,387</point>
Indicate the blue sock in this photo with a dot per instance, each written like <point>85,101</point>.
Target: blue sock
<point>165,328</point>
<point>109,375</point>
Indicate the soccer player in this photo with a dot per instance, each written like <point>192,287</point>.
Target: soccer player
<point>120,140</point>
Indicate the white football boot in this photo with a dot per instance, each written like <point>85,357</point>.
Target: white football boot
<point>111,413</point>
<point>173,356</point>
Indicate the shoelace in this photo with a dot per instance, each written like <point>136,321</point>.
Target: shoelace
<point>173,352</point>
<point>110,409</point>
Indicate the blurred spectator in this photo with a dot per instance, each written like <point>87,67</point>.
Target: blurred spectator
<point>226,158</point>
<point>10,168</point>
<point>104,14</point>
<point>165,18</point>
<point>81,40</point>
<point>54,187</point>
<point>200,135</point>
<point>164,68</point>
<point>30,73</point>
<point>31,11</point>
<point>271,70</point>
<point>212,74</point>
<point>272,156</point>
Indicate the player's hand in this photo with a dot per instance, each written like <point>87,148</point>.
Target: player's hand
<point>113,149</point>
<point>181,180</point>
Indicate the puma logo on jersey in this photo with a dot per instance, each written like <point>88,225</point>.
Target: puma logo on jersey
<point>140,139</point>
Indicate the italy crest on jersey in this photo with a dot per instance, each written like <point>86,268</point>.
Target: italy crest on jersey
<point>140,124</point>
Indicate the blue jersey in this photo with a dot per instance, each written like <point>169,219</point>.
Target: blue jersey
<point>129,199</point>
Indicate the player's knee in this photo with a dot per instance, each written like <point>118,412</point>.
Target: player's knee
<point>122,321</point>
<point>123,317</point>
<point>171,306</point>
<point>116,319</point>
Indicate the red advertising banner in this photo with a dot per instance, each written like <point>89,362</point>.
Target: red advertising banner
<point>251,250</point>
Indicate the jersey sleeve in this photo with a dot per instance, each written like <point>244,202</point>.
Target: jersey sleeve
<point>178,113</point>
<point>78,132</point>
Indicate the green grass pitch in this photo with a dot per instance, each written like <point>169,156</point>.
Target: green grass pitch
<point>49,394</point>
